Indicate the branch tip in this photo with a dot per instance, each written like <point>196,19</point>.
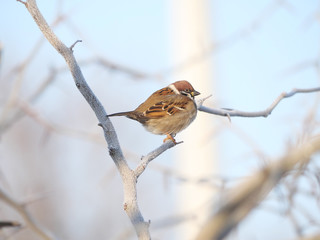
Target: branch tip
<point>207,97</point>
<point>24,3</point>
<point>229,118</point>
<point>72,46</point>
<point>201,100</point>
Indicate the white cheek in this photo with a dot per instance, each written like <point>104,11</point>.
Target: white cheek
<point>174,89</point>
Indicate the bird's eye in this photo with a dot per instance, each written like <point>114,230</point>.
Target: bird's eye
<point>186,90</point>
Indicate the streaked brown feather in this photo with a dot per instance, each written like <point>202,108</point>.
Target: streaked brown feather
<point>165,91</point>
<point>164,108</point>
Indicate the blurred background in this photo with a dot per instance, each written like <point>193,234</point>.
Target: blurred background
<point>53,156</point>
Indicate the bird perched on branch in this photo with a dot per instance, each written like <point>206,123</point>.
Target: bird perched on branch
<point>167,111</point>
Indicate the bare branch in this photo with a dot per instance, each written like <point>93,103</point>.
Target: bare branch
<point>242,199</point>
<point>265,113</point>
<point>152,155</point>
<point>29,220</point>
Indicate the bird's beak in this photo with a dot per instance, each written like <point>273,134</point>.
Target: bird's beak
<point>194,93</point>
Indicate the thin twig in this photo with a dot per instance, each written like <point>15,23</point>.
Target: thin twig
<point>72,46</point>
<point>27,109</point>
<point>124,69</point>
<point>16,114</point>
<point>265,113</point>
<point>24,3</point>
<point>145,160</point>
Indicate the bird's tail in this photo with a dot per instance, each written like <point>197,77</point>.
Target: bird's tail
<point>119,114</point>
<point>132,115</point>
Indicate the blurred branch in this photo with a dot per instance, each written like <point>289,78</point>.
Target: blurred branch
<point>7,120</point>
<point>124,69</point>
<point>50,127</point>
<point>232,39</point>
<point>20,67</point>
<point>214,47</point>
<point>304,65</point>
<point>314,237</point>
<point>242,199</point>
<point>29,220</point>
<point>9,114</point>
<point>265,113</point>
<point>4,224</point>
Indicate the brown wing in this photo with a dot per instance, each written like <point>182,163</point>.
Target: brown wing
<point>166,108</point>
<point>164,91</point>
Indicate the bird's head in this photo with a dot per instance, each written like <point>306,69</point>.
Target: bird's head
<point>183,87</point>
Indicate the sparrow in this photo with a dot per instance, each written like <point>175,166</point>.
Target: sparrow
<point>167,111</point>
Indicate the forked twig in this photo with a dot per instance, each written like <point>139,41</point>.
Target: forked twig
<point>72,46</point>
